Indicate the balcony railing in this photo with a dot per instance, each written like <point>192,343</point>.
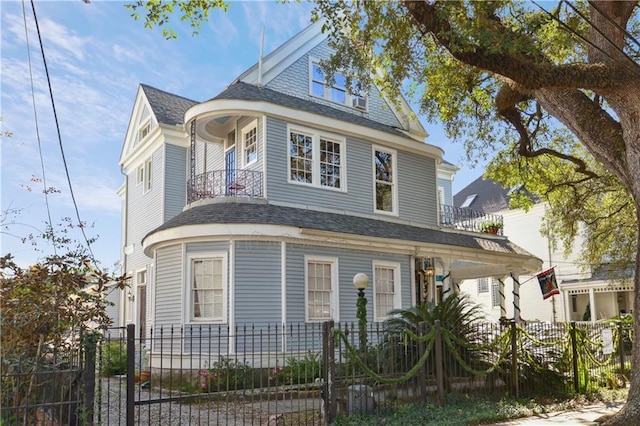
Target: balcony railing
<point>225,183</point>
<point>470,220</point>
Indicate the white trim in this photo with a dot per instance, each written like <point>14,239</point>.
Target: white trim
<point>327,89</point>
<point>253,125</point>
<point>334,301</point>
<point>148,175</point>
<point>397,292</point>
<point>264,155</point>
<point>316,136</point>
<point>231,282</point>
<point>208,255</point>
<point>394,179</point>
<point>218,107</point>
<point>283,289</point>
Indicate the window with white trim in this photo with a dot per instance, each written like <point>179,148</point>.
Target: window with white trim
<point>208,288</point>
<point>321,288</point>
<point>147,175</point>
<point>336,91</point>
<point>141,277</point>
<point>385,181</point>
<point>316,159</point>
<point>139,175</point>
<point>250,143</point>
<point>386,289</point>
<point>483,285</point>
<point>495,293</point>
<point>145,129</point>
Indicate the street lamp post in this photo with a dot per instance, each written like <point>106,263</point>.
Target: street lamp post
<point>361,281</point>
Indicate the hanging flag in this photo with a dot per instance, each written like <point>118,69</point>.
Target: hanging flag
<point>548,283</point>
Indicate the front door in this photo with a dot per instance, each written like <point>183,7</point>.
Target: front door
<point>230,162</point>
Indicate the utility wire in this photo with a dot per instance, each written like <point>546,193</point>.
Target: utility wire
<point>615,46</point>
<point>35,116</point>
<point>587,41</point>
<point>618,26</point>
<point>55,115</point>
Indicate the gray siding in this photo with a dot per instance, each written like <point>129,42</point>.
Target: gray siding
<point>294,81</point>
<point>169,288</point>
<point>144,211</point>
<point>448,193</point>
<point>417,189</point>
<point>417,194</point>
<point>258,281</point>
<point>175,181</point>
<point>350,262</point>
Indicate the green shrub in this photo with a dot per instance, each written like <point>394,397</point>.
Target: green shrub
<point>226,374</point>
<point>297,370</point>
<point>114,359</point>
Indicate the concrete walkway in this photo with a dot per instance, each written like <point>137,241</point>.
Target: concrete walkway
<point>581,416</point>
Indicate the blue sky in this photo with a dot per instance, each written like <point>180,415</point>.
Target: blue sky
<point>97,55</point>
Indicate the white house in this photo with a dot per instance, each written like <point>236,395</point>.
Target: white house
<point>581,290</point>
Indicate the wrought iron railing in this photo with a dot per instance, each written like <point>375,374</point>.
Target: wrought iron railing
<point>470,220</point>
<point>225,183</point>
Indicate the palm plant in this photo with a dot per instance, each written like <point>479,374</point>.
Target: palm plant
<point>458,318</point>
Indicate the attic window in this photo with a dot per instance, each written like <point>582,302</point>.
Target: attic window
<point>335,92</point>
<point>145,129</point>
<point>468,201</point>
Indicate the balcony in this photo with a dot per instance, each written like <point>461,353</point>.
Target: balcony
<point>470,220</point>
<point>225,183</point>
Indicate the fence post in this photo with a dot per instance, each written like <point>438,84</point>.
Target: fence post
<point>574,355</point>
<point>514,358</point>
<point>131,367</point>
<point>422,373</point>
<point>329,361</point>
<point>621,351</point>
<point>89,377</point>
<point>439,363</point>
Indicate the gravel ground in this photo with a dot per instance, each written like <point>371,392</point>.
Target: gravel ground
<point>263,411</point>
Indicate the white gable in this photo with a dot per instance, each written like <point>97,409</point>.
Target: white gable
<point>141,124</point>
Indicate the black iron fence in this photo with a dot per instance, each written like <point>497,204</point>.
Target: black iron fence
<point>54,386</point>
<point>312,373</point>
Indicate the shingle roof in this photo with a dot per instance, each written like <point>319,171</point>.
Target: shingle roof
<point>252,213</point>
<point>249,92</point>
<point>490,196</point>
<point>167,107</point>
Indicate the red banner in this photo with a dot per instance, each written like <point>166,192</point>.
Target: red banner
<point>548,283</point>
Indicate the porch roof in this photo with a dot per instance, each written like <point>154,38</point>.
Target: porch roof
<point>269,214</point>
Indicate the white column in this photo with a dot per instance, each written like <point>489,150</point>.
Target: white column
<point>592,304</point>
<point>516,299</point>
<point>503,301</point>
<point>567,305</point>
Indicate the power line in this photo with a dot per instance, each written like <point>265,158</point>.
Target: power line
<point>587,41</point>
<point>35,116</point>
<point>55,115</point>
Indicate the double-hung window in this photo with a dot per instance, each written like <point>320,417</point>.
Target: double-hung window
<point>208,288</point>
<point>147,175</point>
<point>385,181</point>
<point>483,285</point>
<point>495,293</point>
<point>321,285</point>
<point>386,289</point>
<point>316,159</point>
<point>250,143</point>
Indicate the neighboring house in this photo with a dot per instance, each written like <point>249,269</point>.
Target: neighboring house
<point>260,205</point>
<point>581,290</point>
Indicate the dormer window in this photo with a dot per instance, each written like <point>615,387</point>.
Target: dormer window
<point>468,201</point>
<point>337,91</point>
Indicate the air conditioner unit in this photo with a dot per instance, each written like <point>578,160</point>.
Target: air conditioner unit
<point>359,102</point>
